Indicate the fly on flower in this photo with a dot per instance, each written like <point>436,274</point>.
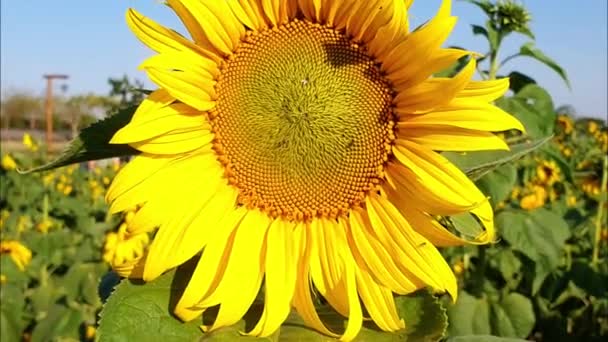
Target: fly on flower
<point>328,186</point>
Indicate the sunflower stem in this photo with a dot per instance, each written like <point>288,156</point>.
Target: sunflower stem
<point>600,211</point>
<point>480,271</point>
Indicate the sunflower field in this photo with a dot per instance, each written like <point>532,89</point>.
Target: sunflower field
<point>73,254</point>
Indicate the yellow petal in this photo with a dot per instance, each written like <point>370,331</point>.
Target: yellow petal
<point>451,139</point>
<point>485,91</point>
<point>161,39</point>
<point>161,121</point>
<point>378,260</point>
<point>302,300</point>
<point>433,93</point>
<point>463,113</point>
<point>400,62</point>
<point>424,224</point>
<point>280,280</point>
<point>219,25</point>
<point>253,11</point>
<point>176,142</point>
<point>391,34</point>
<point>180,238</point>
<point>408,189</point>
<point>379,303</point>
<point>438,175</point>
<point>241,281</point>
<point>140,169</point>
<point>418,254</point>
<point>210,267</point>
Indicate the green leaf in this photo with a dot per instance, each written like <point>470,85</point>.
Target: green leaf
<point>479,30</point>
<point>508,264</point>
<point>61,323</point>
<point>469,316</point>
<point>530,50</point>
<point>533,106</point>
<point>540,235</point>
<point>11,309</point>
<point>513,316</point>
<point>478,164</point>
<point>93,143</point>
<point>140,312</point>
<point>517,81</point>
<point>424,316</point>
<point>498,183</point>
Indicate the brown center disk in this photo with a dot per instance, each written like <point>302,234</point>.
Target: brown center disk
<point>303,121</point>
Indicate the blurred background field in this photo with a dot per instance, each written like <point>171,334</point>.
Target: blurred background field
<point>545,279</point>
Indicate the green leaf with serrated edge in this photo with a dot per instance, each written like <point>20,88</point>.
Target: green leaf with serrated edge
<point>513,316</point>
<point>108,282</point>
<point>424,316</point>
<point>497,184</point>
<point>93,142</point>
<point>61,324</point>
<point>469,316</point>
<point>532,51</point>
<point>141,312</point>
<point>477,164</point>
<point>483,338</point>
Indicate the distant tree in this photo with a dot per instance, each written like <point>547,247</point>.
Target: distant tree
<point>81,110</point>
<point>20,108</point>
<point>127,92</point>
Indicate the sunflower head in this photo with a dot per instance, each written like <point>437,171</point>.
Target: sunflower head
<point>295,143</point>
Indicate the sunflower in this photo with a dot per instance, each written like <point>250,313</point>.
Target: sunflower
<point>295,144</point>
<point>547,172</point>
<point>18,252</point>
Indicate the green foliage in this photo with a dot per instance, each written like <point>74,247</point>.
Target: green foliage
<point>137,311</point>
<point>504,18</point>
<point>511,315</point>
<point>59,216</point>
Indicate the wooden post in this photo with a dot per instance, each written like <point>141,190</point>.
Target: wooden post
<point>49,107</point>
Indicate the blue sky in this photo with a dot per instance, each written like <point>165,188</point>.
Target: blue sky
<point>90,41</point>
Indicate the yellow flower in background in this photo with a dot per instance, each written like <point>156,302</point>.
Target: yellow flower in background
<point>44,225</point>
<point>567,152</point>
<point>29,142</point>
<point>23,223</point>
<point>124,251</point>
<point>565,122</point>
<point>8,163</point>
<point>515,193</point>
<point>535,198</point>
<point>4,215</point>
<point>458,267</point>
<point>295,142</point>
<point>67,190</point>
<point>592,127</point>
<point>3,279</point>
<point>571,201</point>
<point>90,332</point>
<point>591,186</point>
<point>603,141</point>
<point>547,172</point>
<point>20,254</point>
